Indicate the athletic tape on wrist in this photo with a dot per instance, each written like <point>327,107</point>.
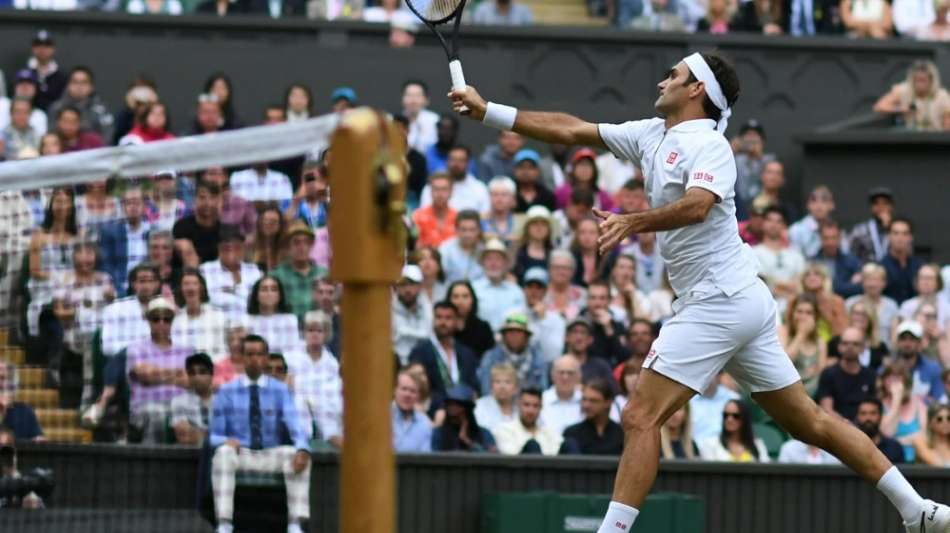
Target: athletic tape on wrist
<point>500,116</point>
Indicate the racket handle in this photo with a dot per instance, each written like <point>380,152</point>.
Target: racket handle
<point>458,79</point>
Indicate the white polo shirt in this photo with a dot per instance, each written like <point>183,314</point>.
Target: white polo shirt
<point>690,154</point>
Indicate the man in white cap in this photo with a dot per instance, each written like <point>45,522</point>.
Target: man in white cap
<point>496,293</point>
<point>725,315</point>
<point>412,322</point>
<point>926,373</point>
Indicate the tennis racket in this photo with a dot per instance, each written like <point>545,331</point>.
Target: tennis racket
<point>437,12</point>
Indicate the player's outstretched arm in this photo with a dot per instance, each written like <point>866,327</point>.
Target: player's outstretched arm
<point>554,128</point>
<point>691,209</point>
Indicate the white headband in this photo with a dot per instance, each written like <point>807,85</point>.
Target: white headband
<point>697,65</point>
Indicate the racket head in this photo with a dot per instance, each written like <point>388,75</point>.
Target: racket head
<point>435,11</point>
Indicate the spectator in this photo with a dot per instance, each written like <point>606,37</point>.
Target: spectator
<point>164,208</point>
<point>17,416</point>
<point>578,342</point>
<point>495,291</point>
<point>900,263</point>
<point>460,254</point>
<point>804,234</point>
<point>536,240</point>
<point>51,144</point>
<point>196,235</point>
<point>499,159</point>
<point>262,186</point>
<point>50,80</point>
<point>527,175</point>
<point>312,199</point>
<point>124,243</point>
<point>503,13</point>
<point>656,17</point>
<point>524,435</point>
<point>929,288</point>
<point>269,239</point>
<point>676,436</point>
<point>417,163</point>
<point>140,93</point>
<point>325,295</point>
<point>156,371</point>
<point>760,16</point>
<point>72,137</point>
<point>842,387</point>
<point>81,95</point>
<point>597,434</point>
<point>422,121</point>
<point>547,327</point>
<point>869,239</point>
<point>232,366</point>
<point>86,285</point>
<point>298,272</point>
<point>884,309</point>
<point>750,230</point>
<point>19,135</point>
<point>461,431</point>
<point>25,87</point>
<point>219,85</point>
<point>920,100</point>
<point>627,377</point>
<point>868,420</point>
<point>780,264</point>
<point>628,301</point>
<point>197,324</point>
<point>607,328</point>
<point>411,319</point>
<point>582,174</point>
<point>209,117</point>
<point>436,220</point>
<point>564,297</point>
<point>467,191</point>
<point>934,344</point>
<point>736,442</point>
<point>816,18</point>
<point>229,279</point>
<point>316,381</point>
<point>661,302</point>
<point>151,124</point>
<point>250,438</point>
<point>515,349</point>
<point>447,362</point>
<point>499,221</point>
<point>751,159</point>
<point>50,243</point>
<point>447,136</point>
<point>649,267</point>
<point>433,287</point>
<point>925,373</point>
<point>562,400</point>
<point>843,268</point>
<point>98,206</point>
<point>773,181</point>
<point>640,337</point>
<point>578,208</point>
<point>471,330</point>
<point>905,415</point>
<point>424,403</point>
<point>934,449</point>
<point>298,102</point>
<point>832,315</point>
<point>796,451</point>
<point>234,209</point>
<point>799,336</point>
<point>872,18</point>
<point>591,264</point>
<point>499,406</point>
<point>937,30</point>
<point>412,430</point>
<point>911,17</point>
<point>874,352</point>
<point>706,409</point>
<point>270,316</point>
<point>190,410</point>
<point>123,321</point>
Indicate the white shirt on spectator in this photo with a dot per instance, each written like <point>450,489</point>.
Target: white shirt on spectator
<point>558,414</point>
<point>47,5</point>
<point>422,130</point>
<point>279,330</point>
<point>409,327</point>
<point>496,300</point>
<point>612,173</point>
<point>187,407</point>
<point>469,193</point>
<point>547,333</point>
<point>206,332</point>
<point>272,186</point>
<point>487,13</point>
<point>512,436</point>
<point>136,244</point>
<point>169,7</point>
<point>488,413</point>
<point>796,451</point>
<point>706,413</point>
<point>911,16</point>
<point>712,450</point>
<point>123,324</point>
<point>224,293</point>
<point>318,392</point>
<point>785,265</point>
<point>459,264</point>
<point>804,236</point>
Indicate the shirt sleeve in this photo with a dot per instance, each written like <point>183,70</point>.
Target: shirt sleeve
<point>714,169</point>
<point>623,140</point>
<point>292,421</point>
<point>219,424</point>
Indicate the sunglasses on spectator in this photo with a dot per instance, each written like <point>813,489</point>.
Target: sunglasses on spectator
<point>163,318</point>
<point>726,416</point>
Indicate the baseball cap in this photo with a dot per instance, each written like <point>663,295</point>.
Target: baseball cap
<point>583,153</point>
<point>516,321</point>
<point>343,93</point>
<point>299,227</point>
<point>910,326</point>
<point>538,212</point>
<point>880,192</point>
<point>536,275</point>
<point>159,303</point>
<point>25,74</point>
<point>752,125</point>
<point>411,273</point>
<point>43,37</point>
<point>165,174</point>
<point>494,245</point>
<point>527,154</point>
<point>580,322</point>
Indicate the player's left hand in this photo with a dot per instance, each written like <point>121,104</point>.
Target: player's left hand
<point>613,229</point>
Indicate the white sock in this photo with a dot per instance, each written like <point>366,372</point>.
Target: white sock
<point>908,503</point>
<point>619,518</point>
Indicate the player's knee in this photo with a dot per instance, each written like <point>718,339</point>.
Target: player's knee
<point>636,418</point>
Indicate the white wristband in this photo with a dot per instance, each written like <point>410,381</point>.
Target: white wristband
<point>500,116</point>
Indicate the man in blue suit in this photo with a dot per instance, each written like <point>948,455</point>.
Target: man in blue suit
<point>446,361</point>
<point>252,417</point>
<point>124,243</point>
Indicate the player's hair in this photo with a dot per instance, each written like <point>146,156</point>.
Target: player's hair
<point>728,80</point>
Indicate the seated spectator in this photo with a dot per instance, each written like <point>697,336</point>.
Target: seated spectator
<point>912,16</point>
<point>499,405</point>
<point>432,288</point>
<point>676,440</point>
<point>461,432</point>
<point>471,330</point>
<point>760,16</point>
<point>316,381</point>
<point>655,17</point>
<point>232,366</point>
<point>832,314</point>
<point>905,415</point>
<point>447,136</point>
<point>579,340</point>
<point>900,263</point>
<point>938,30</point>
<point>872,18</point>
<point>582,174</point>
<point>499,221</point>
<point>209,117</point>
<point>93,290</point>
<point>564,297</point>
<point>873,280</point>
<point>229,278</point>
<point>661,302</point>
<point>920,101</point>
<point>597,434</point>
<point>164,208</point>
<point>578,208</point>
<point>468,192</point>
<point>717,19</point>
<point>628,302</point>
<point>411,320</point>
<point>502,13</point>
<point>527,174</point>
<point>262,186</point>
<point>495,291</point>
<point>269,315</point>
<point>562,400</point>
<point>640,337</point>
<point>123,321</point>
<point>19,135</point>
<point>649,267</point>
<point>868,239</point>
<point>591,264</point>
<point>706,409</point>
<point>629,375</point>
<point>925,372</point>
<point>196,235</point>
<point>547,327</point>
<point>607,330</point>
<point>524,435</point>
<point>773,181</point>
<point>446,362</point>
<point>325,295</point>
<point>234,210</point>
<point>842,387</point>
<point>874,352</point>
<point>219,85</point>
<point>868,420</point>
<point>736,442</point>
<point>299,271</point>
<point>797,452</point>
<point>843,268</point>
<point>412,430</point>
<point>436,221</point>
<point>72,137</point>
<point>80,95</point>
<point>750,230</point>
<point>156,373</point>
<point>98,206</point>
<point>191,410</point>
<point>804,234</point>
<point>17,416</point>
<point>151,121</point>
<point>934,344</point>
<point>56,235</point>
<point>60,347</point>
<point>751,158</point>
<point>269,240</point>
<point>198,324</point>
<point>535,241</point>
<point>422,121</point>
<point>800,340</point>
<point>24,88</point>
<point>312,199</point>
<point>154,7</point>
<point>251,419</point>
<point>461,253</point>
<point>779,263</point>
<point>515,349</point>
<point>930,291</point>
<point>139,93</point>
<point>124,243</point>
<point>424,403</point>
<point>934,448</point>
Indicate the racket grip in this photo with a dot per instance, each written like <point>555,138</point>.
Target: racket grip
<point>458,79</point>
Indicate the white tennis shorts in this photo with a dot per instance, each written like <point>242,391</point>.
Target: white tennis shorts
<point>710,332</point>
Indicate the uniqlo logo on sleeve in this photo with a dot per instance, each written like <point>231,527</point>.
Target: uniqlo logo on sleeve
<point>703,176</point>
<point>620,525</point>
<point>670,159</point>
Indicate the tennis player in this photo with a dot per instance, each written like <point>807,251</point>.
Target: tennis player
<point>724,314</point>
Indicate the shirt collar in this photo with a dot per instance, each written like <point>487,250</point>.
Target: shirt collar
<point>261,381</point>
<point>695,125</point>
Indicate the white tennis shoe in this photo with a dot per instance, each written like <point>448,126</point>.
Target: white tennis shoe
<point>935,518</point>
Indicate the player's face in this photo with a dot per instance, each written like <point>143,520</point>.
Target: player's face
<point>674,89</point>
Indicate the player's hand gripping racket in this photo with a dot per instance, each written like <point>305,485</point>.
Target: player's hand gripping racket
<point>434,13</point>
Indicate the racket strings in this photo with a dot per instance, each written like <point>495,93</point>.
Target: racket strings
<point>435,10</point>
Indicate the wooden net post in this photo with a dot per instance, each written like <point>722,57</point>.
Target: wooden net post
<point>368,186</point>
